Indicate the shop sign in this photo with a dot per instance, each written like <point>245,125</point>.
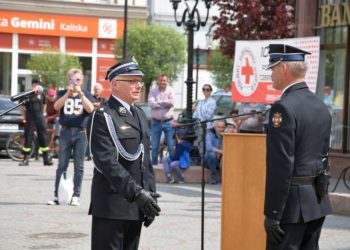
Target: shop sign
<point>251,81</point>
<point>59,25</point>
<point>335,15</point>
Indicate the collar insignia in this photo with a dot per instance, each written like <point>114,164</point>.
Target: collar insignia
<point>122,110</point>
<point>276,119</point>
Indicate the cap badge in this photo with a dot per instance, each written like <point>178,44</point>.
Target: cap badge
<point>276,119</point>
<point>134,59</point>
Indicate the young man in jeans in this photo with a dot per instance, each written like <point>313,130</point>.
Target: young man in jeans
<point>74,105</point>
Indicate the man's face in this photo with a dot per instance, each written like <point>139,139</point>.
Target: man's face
<point>76,79</point>
<point>277,76</point>
<point>34,85</point>
<point>163,82</point>
<point>97,91</point>
<point>127,88</point>
<point>219,127</point>
<point>51,98</point>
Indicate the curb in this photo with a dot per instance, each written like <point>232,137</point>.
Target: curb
<point>340,203</point>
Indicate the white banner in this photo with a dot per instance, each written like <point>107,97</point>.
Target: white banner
<point>251,81</point>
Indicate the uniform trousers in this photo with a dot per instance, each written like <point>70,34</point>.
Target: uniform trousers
<point>109,234</point>
<point>35,121</point>
<point>300,236</point>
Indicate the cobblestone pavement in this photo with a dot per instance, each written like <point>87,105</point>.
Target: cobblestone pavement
<point>26,222</point>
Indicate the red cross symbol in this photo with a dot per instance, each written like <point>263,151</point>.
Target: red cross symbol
<point>247,71</point>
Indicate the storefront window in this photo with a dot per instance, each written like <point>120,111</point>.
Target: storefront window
<point>22,60</point>
<point>333,62</point>
<point>86,64</point>
<point>202,57</point>
<point>332,76</point>
<point>5,73</point>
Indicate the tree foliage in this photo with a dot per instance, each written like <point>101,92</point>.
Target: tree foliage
<point>52,67</point>
<point>252,20</point>
<point>221,68</point>
<point>157,48</point>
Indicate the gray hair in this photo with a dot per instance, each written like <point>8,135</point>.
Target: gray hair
<point>74,71</point>
<point>97,86</point>
<point>297,69</point>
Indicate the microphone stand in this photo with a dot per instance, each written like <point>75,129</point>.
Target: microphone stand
<point>203,125</point>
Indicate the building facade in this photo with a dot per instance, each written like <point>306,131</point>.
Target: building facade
<point>86,29</point>
<point>330,19</point>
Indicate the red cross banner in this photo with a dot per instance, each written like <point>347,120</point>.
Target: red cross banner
<point>251,81</point>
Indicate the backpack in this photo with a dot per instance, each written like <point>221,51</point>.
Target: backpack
<point>185,160</point>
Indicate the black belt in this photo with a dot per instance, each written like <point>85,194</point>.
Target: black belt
<point>163,121</point>
<point>73,128</point>
<point>303,180</point>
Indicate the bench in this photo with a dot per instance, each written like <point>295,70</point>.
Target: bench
<point>192,175</point>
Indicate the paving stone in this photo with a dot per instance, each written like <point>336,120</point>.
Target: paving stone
<point>26,222</point>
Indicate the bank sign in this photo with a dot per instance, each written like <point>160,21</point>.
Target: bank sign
<point>251,81</point>
<point>59,25</point>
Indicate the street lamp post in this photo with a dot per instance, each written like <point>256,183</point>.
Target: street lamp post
<point>197,70</point>
<point>125,38</point>
<point>191,20</point>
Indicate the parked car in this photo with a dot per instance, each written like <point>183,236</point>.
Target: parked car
<point>10,122</point>
<point>224,104</point>
<point>146,108</point>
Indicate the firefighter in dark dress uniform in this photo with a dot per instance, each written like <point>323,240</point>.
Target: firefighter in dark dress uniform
<point>123,186</point>
<point>296,199</point>
<point>35,121</point>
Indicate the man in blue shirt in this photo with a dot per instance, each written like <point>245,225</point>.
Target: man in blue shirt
<point>213,152</point>
<point>74,105</point>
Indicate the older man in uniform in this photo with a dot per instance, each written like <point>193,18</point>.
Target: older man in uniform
<point>296,199</point>
<point>123,186</point>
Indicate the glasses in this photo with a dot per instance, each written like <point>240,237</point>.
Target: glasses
<point>132,82</point>
<point>206,90</point>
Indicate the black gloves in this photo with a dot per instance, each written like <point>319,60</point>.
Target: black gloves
<point>274,233</point>
<point>155,195</point>
<point>148,221</point>
<point>146,203</point>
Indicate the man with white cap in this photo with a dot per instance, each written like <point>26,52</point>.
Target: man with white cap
<point>296,199</point>
<point>123,186</point>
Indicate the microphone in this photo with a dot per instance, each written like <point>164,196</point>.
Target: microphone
<point>28,94</point>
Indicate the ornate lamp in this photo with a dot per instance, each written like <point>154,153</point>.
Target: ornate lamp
<point>192,21</point>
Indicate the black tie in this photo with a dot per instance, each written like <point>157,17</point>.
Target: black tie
<point>133,112</point>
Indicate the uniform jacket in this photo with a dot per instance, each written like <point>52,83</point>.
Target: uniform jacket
<point>113,187</point>
<point>298,136</point>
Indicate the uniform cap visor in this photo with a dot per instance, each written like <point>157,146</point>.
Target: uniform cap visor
<point>271,64</point>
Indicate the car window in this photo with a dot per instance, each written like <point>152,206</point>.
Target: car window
<point>225,102</point>
<point>216,97</point>
<point>7,104</point>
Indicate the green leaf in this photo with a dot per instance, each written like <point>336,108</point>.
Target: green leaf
<point>52,67</point>
<point>221,68</point>
<point>158,49</point>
